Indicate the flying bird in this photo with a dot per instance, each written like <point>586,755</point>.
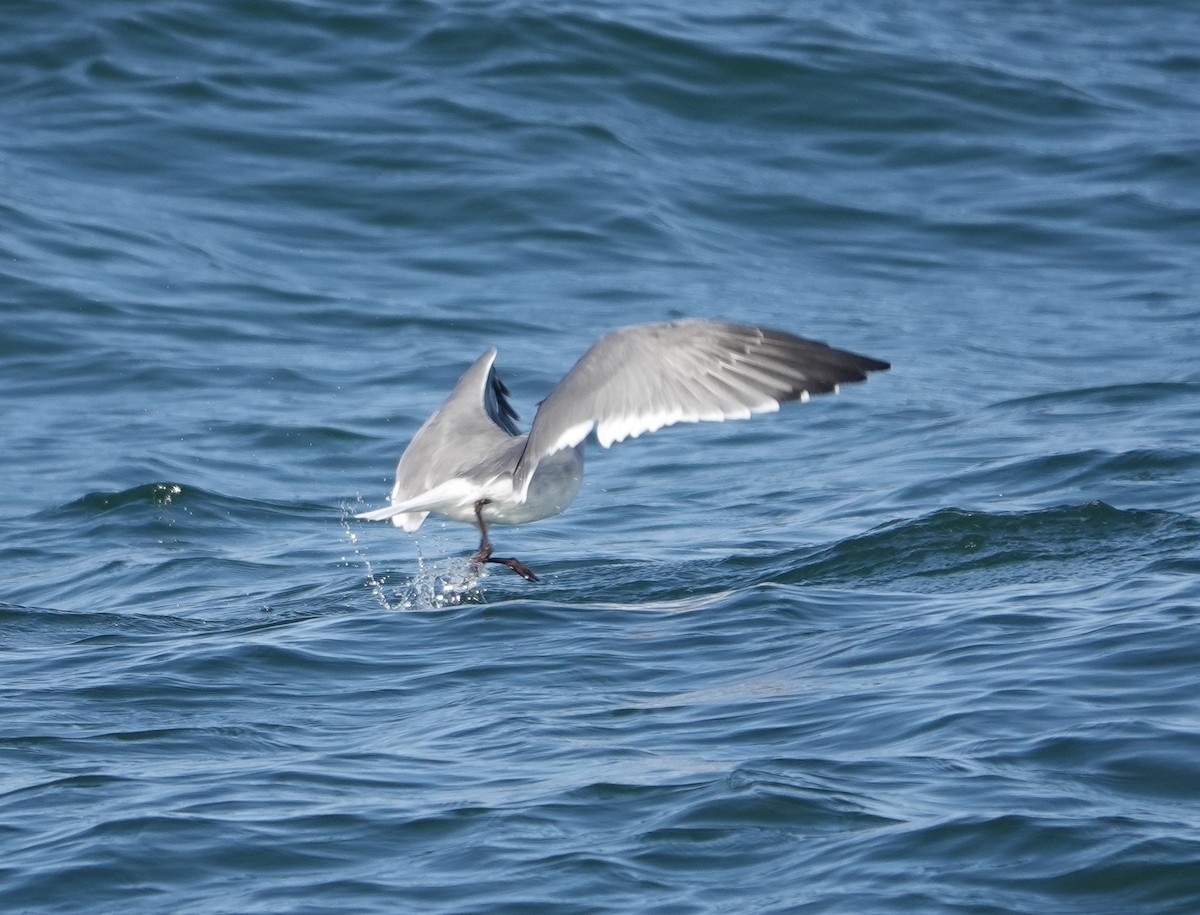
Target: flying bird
<point>470,462</point>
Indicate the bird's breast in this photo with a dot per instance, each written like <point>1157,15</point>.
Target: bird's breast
<point>552,488</point>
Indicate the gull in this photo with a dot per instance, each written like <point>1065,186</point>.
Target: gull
<point>469,462</point>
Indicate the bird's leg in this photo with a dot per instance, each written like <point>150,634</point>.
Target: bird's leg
<point>484,553</point>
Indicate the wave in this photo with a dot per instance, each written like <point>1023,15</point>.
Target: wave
<point>192,499</point>
<point>953,549</point>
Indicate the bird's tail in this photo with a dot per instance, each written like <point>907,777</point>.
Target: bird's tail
<point>380,514</point>
<point>409,513</point>
<point>398,514</point>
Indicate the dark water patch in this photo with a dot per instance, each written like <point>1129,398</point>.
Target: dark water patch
<point>1090,471</point>
<point>41,627</point>
<point>951,548</point>
<point>191,500</point>
<point>290,437</point>
<point>147,494</point>
<point>1108,398</point>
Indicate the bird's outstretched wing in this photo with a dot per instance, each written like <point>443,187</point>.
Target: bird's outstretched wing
<point>646,376</point>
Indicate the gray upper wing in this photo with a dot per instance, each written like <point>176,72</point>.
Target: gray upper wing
<point>475,419</point>
<point>646,376</point>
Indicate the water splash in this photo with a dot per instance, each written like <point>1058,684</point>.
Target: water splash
<point>437,584</point>
<point>442,583</point>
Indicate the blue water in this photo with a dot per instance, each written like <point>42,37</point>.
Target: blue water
<point>932,645</point>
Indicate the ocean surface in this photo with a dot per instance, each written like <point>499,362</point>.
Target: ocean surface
<point>932,645</point>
